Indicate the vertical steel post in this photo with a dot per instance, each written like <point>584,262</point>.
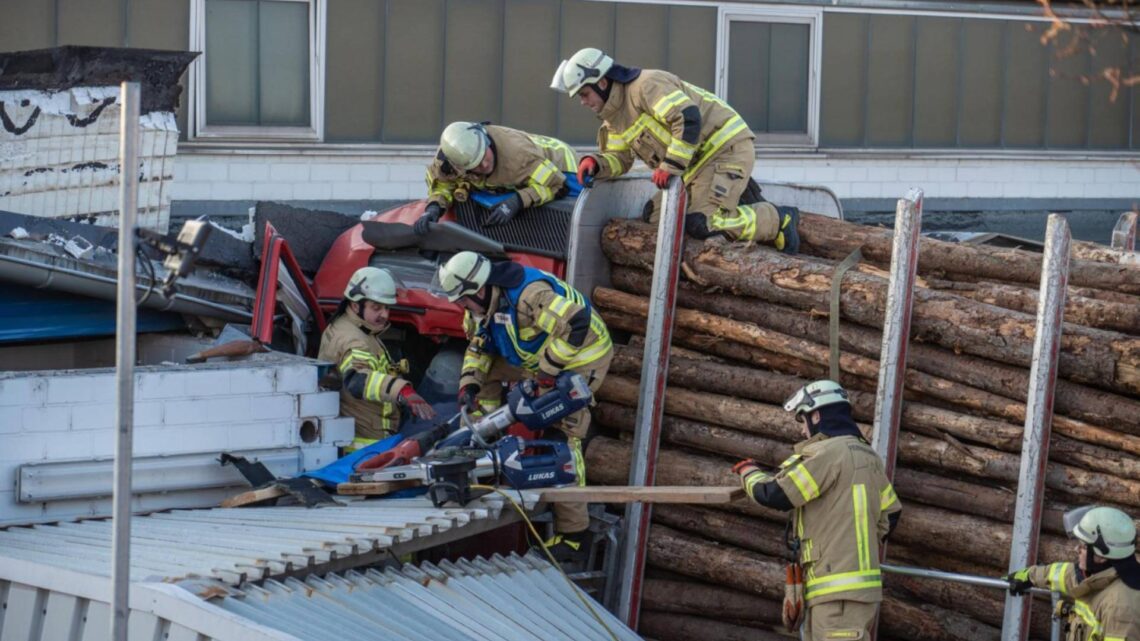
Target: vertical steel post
<point>896,327</point>
<point>651,397</point>
<point>125,359</point>
<point>1124,233</point>
<point>1038,419</point>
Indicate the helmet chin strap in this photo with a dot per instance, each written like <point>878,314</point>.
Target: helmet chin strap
<point>1092,564</point>
<point>372,328</point>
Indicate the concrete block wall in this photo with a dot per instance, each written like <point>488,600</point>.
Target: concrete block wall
<point>381,175</point>
<point>69,415</point>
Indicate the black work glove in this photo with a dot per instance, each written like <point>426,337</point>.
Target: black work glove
<point>505,210</point>
<point>467,397</point>
<point>1019,582</point>
<point>432,213</point>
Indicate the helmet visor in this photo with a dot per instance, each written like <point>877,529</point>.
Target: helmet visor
<point>558,83</point>
<point>801,400</point>
<point>1072,523</point>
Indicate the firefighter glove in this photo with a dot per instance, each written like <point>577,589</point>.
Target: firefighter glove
<point>416,403</point>
<point>467,398</point>
<point>432,213</point>
<point>544,380</point>
<point>661,178</point>
<point>587,168</point>
<point>1019,582</point>
<point>745,467</point>
<point>505,210</point>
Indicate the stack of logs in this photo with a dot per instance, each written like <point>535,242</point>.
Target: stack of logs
<point>751,327</point>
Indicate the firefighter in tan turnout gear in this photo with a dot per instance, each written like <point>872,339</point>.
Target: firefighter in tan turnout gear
<point>529,323</point>
<point>1100,593</point>
<point>474,156</point>
<point>372,391</point>
<point>677,129</point>
<point>844,507</point>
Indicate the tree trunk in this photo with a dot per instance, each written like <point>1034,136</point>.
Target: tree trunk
<point>691,597</point>
<point>950,392</point>
<point>1101,358</point>
<point>984,604</point>
<point>823,236</point>
<point>667,626</point>
<point>1078,401</point>
<point>1095,252</point>
<point>735,529</point>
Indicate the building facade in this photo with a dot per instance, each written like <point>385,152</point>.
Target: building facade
<point>343,100</point>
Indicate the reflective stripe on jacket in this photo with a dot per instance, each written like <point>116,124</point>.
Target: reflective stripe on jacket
<point>1096,608</point>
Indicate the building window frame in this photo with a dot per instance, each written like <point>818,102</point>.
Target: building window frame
<point>196,122</point>
<point>810,16</point>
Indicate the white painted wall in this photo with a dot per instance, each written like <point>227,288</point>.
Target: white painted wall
<point>343,174</point>
<point>229,407</point>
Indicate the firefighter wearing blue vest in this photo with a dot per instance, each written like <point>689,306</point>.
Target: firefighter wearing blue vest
<point>529,323</point>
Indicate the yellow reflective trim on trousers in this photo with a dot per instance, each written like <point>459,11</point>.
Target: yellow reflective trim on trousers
<point>1057,572</point>
<point>1086,614</point>
<point>726,133</point>
<point>887,497</point>
<point>579,459</point>
<point>862,536</point>
<point>613,162</point>
<point>744,222</point>
<point>842,582</point>
<point>804,481</point>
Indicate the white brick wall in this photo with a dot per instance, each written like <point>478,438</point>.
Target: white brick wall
<point>70,415</point>
<point>398,175</point>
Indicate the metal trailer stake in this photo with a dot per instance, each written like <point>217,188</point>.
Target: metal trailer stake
<point>896,327</point>
<point>125,359</point>
<point>1038,419</point>
<point>1124,233</point>
<point>651,397</point>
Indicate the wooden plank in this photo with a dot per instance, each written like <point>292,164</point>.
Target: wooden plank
<point>656,494</point>
<point>254,496</point>
<point>376,488</point>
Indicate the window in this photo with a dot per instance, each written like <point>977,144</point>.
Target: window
<point>767,69</point>
<point>260,75</point>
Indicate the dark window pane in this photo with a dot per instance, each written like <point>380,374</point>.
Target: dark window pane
<point>474,63</point>
<point>979,118</point>
<point>1067,123</point>
<point>530,57</point>
<point>283,61</point>
<point>353,73</point>
<point>231,63</point>
<point>692,45</point>
<point>584,24</point>
<point>890,81</point>
<point>844,74</point>
<point>768,75</point>
<point>413,71</point>
<point>749,45</point>
<point>1025,87</point>
<point>790,53</point>
<point>936,79</point>
<point>1109,116</point>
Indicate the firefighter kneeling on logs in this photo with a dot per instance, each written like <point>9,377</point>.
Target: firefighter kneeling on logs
<point>528,323</point>
<point>837,487</point>
<point>1100,593</point>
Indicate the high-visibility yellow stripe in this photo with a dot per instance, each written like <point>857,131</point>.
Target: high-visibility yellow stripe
<point>477,362</point>
<point>355,355</point>
<point>543,172</point>
<point>545,194</point>
<point>887,497</point>
<point>791,460</point>
<point>614,163</point>
<point>1086,614</point>
<point>862,536</point>
<point>804,481</point>
<point>359,443</point>
<point>727,132</point>
<point>579,459</point>
<point>373,387</point>
<point>754,479</point>
<point>681,150</point>
<point>663,106</point>
<point>562,350</point>
<point>616,142</point>
<point>1057,572</point>
<point>842,581</point>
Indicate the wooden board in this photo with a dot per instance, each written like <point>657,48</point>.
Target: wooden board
<point>377,488</point>
<point>627,494</point>
<point>254,496</point>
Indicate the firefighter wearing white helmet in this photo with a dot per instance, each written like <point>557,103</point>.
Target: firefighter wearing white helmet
<point>1100,592</point>
<point>529,324</point>
<point>678,130</point>
<point>843,507</point>
<point>373,390</point>
<point>529,169</point>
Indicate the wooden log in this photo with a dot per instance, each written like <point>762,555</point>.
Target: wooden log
<point>640,494</point>
<point>669,626</point>
<point>744,532</point>
<point>1074,400</point>
<point>1095,252</point>
<point>1097,357</point>
<point>754,573</point>
<point>1079,310</point>
<point>692,597</point>
<point>833,239</point>
<point>935,387</point>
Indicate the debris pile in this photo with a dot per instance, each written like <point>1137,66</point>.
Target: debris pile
<point>752,327</point>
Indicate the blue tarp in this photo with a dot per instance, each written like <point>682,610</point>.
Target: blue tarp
<point>29,314</point>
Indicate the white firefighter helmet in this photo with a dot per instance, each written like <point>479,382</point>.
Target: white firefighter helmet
<point>586,67</point>
<point>464,144</point>
<point>1109,531</point>
<point>371,283</point>
<point>815,395</point>
<point>463,275</point>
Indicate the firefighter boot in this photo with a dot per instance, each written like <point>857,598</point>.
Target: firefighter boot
<point>570,549</point>
<point>788,238</point>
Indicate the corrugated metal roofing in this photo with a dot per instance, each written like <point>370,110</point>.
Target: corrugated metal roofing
<point>502,598</point>
<point>240,544</point>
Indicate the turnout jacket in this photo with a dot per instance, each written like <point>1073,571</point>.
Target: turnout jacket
<point>540,324</point>
<point>530,164</point>
<point>357,351</point>
<point>842,505</point>
<point>1096,608</point>
<point>665,122</point>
